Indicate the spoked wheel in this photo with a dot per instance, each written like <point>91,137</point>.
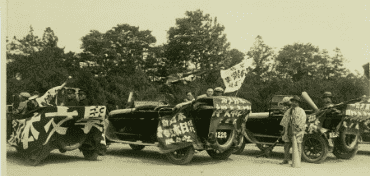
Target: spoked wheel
<point>181,156</point>
<point>263,147</point>
<point>240,146</point>
<point>341,154</point>
<point>314,148</point>
<point>91,155</point>
<point>137,147</point>
<point>215,154</point>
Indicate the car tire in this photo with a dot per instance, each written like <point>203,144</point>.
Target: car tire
<point>339,153</point>
<point>137,147</point>
<point>241,145</point>
<point>347,142</point>
<point>91,155</point>
<point>314,144</point>
<point>182,156</point>
<point>220,156</point>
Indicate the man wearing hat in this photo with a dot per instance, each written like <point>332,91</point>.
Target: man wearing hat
<point>189,97</point>
<point>83,99</point>
<point>219,91</point>
<point>71,98</point>
<point>296,117</point>
<point>327,99</point>
<point>23,99</point>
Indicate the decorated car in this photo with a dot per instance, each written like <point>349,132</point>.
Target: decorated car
<point>42,130</point>
<point>326,131</point>
<point>358,119</point>
<point>211,124</point>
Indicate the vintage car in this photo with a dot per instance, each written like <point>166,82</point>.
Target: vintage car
<point>209,124</point>
<point>325,131</point>
<point>42,130</point>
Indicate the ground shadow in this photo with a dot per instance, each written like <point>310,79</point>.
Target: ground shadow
<point>361,152</point>
<point>154,157</point>
<point>280,156</point>
<point>52,158</point>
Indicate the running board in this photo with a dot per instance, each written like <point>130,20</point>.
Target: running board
<point>156,144</point>
<point>269,143</point>
<point>262,135</point>
<point>127,134</point>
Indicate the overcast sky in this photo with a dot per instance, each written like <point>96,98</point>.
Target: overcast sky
<point>326,23</point>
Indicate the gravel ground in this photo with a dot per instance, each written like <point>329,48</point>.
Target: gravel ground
<point>122,161</point>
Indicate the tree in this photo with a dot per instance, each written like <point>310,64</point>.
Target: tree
<point>234,57</point>
<point>119,50</point>
<point>261,55</point>
<point>296,61</point>
<point>196,39</point>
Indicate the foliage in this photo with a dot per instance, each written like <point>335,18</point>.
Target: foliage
<point>197,39</point>
<point>124,59</point>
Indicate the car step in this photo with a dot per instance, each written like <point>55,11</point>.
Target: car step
<point>262,135</point>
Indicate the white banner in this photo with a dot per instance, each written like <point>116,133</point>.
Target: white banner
<point>234,77</point>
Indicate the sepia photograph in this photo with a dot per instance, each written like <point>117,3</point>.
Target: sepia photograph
<point>185,87</point>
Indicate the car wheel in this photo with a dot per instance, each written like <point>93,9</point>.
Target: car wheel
<point>240,146</point>
<point>339,153</point>
<point>347,141</point>
<point>91,155</point>
<point>314,148</point>
<point>137,147</point>
<point>181,156</point>
<point>220,156</point>
<point>263,147</point>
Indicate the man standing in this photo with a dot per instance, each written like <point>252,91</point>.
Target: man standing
<point>71,98</point>
<point>219,91</point>
<point>208,94</point>
<point>294,117</point>
<point>189,97</point>
<point>83,99</point>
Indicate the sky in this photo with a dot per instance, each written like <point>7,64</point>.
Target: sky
<point>327,23</point>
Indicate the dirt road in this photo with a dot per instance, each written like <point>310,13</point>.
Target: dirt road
<point>122,161</point>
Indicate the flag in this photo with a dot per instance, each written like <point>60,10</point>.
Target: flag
<point>234,77</point>
<point>366,70</point>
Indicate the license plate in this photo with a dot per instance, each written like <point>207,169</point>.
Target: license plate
<point>221,135</point>
<point>333,135</point>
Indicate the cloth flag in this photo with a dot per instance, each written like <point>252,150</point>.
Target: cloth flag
<point>234,77</point>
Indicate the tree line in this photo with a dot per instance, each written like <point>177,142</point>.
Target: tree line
<point>125,59</point>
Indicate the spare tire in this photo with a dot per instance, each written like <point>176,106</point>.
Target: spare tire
<point>224,138</point>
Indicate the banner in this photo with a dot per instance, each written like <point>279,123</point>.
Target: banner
<point>176,131</point>
<point>357,116</point>
<point>366,70</point>
<point>47,123</point>
<point>234,77</point>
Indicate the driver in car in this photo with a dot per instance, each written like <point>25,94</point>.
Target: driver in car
<point>296,117</point>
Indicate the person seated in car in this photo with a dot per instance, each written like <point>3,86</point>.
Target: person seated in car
<point>218,91</point>
<point>83,98</point>
<point>71,98</point>
<point>208,94</point>
<point>189,97</point>
<point>22,108</point>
